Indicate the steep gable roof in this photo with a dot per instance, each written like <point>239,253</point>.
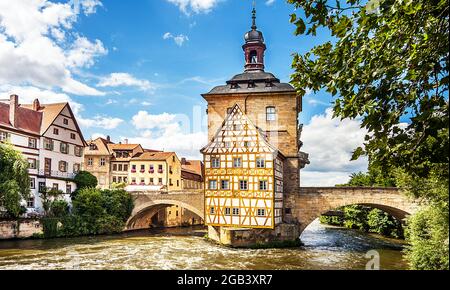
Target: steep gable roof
<point>241,134</point>
<point>27,120</point>
<point>102,147</point>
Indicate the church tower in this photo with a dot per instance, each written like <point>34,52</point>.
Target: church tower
<point>253,159</point>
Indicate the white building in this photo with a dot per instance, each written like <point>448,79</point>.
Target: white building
<point>50,138</point>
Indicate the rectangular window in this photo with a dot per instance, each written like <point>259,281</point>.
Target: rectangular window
<point>227,211</point>
<point>55,186</point>
<point>102,162</point>
<point>55,131</point>
<point>213,184</point>
<point>42,186</point>
<point>262,185</point>
<point>152,169</point>
<point>48,144</point>
<point>66,121</point>
<point>237,162</point>
<point>76,168</point>
<point>32,183</point>
<point>32,143</point>
<point>243,185</point>
<point>178,183</point>
<point>261,212</point>
<point>237,127</point>
<point>78,151</point>
<point>119,179</point>
<point>260,163</point>
<point>68,189</point>
<point>271,114</point>
<point>133,180</point>
<point>72,136</point>
<point>225,184</point>
<point>215,162</point>
<point>114,167</point>
<point>4,136</point>
<point>133,168</point>
<point>64,147</point>
<point>125,167</point>
<point>160,168</point>
<point>235,211</point>
<point>170,182</point>
<point>114,179</point>
<point>142,168</point>
<point>152,181</point>
<point>121,167</point>
<point>32,163</point>
<point>30,202</point>
<point>212,210</point>
<point>160,181</point>
<point>142,181</point>
<point>90,161</point>
<point>63,166</point>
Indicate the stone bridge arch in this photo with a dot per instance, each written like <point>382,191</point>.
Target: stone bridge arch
<point>311,202</point>
<point>147,204</point>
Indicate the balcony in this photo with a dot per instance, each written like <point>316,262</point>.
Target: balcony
<point>57,174</point>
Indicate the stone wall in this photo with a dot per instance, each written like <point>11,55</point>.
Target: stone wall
<point>311,202</point>
<point>19,229</point>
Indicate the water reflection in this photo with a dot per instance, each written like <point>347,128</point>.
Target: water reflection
<point>325,248</point>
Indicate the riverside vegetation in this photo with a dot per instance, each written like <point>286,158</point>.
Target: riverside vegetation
<point>387,64</point>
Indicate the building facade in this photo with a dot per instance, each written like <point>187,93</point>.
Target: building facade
<point>97,160</point>
<point>49,137</point>
<point>254,116</point>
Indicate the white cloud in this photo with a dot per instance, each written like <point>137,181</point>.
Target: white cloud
<point>90,6</point>
<point>34,49</point>
<point>145,103</point>
<point>127,80</point>
<point>143,120</point>
<point>103,122</point>
<point>330,143</point>
<point>168,132</point>
<point>98,135</point>
<point>179,39</point>
<point>270,2</point>
<point>196,6</point>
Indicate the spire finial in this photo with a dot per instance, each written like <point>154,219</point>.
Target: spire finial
<point>254,15</point>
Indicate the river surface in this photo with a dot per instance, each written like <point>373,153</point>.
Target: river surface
<point>185,248</point>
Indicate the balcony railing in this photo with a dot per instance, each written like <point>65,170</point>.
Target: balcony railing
<point>57,174</point>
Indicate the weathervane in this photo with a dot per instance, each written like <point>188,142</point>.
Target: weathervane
<point>254,15</point>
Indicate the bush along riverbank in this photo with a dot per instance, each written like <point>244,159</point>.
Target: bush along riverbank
<point>94,212</point>
<point>366,219</point>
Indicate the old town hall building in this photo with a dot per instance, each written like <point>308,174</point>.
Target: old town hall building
<point>253,159</point>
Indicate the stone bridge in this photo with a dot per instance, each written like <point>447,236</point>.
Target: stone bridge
<point>147,204</point>
<point>310,202</point>
<point>305,206</point>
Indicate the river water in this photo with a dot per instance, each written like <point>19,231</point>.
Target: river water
<point>325,248</point>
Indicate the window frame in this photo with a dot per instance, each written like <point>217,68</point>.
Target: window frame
<point>271,114</point>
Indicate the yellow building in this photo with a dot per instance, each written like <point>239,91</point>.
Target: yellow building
<point>154,171</point>
<point>97,158</point>
<point>243,176</point>
<point>120,161</point>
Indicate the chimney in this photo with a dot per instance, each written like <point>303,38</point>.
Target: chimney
<point>125,141</point>
<point>108,138</point>
<point>183,161</point>
<point>13,105</point>
<point>36,105</point>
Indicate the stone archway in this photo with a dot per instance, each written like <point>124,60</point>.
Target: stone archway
<point>147,205</point>
<point>310,203</point>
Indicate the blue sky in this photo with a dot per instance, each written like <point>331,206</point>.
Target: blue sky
<point>135,69</point>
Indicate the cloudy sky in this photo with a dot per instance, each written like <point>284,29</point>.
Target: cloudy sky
<point>135,70</point>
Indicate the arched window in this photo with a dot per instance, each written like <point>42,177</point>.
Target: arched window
<point>271,114</point>
<point>253,56</point>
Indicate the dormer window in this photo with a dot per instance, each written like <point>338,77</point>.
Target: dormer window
<point>234,86</point>
<point>92,147</point>
<point>251,85</point>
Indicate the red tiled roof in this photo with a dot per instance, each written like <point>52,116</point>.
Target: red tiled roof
<point>195,166</point>
<point>153,156</point>
<point>27,120</point>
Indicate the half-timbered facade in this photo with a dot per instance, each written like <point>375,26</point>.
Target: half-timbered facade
<point>244,176</point>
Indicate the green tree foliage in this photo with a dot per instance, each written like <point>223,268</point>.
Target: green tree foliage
<point>98,211</point>
<point>59,208</point>
<point>389,61</point>
<point>14,180</point>
<point>383,224</point>
<point>85,179</point>
<point>355,217</point>
<point>48,196</point>
<point>388,65</point>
